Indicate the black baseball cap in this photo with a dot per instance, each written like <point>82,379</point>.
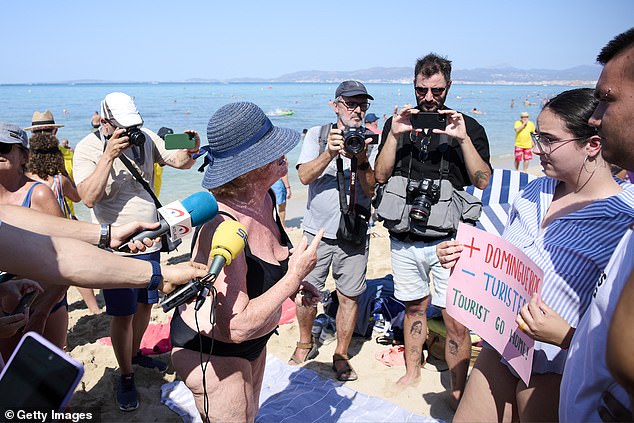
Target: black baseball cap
<point>351,89</point>
<point>164,131</point>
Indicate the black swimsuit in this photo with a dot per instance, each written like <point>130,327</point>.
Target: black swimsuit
<point>261,276</point>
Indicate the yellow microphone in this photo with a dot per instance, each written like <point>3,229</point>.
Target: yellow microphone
<point>227,243</point>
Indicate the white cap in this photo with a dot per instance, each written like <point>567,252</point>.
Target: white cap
<point>120,108</point>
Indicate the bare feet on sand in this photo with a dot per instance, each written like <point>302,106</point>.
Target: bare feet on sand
<point>409,380</point>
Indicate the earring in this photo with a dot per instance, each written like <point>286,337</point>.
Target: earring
<point>585,161</point>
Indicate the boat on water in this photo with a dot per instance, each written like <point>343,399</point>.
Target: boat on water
<point>281,112</point>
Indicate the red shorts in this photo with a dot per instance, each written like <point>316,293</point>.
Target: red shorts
<point>523,154</point>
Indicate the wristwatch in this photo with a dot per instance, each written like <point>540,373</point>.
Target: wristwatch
<point>104,237</point>
<point>157,277</point>
<point>363,166</point>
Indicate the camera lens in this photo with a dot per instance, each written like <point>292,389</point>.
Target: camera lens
<point>421,208</point>
<point>136,136</point>
<point>354,140</point>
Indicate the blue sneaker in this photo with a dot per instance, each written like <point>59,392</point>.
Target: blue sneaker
<point>127,396</point>
<point>149,362</point>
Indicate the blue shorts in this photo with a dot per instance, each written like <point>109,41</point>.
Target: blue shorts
<point>280,192</point>
<point>123,301</point>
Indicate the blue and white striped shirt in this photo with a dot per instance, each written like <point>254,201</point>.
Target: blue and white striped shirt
<point>572,250</point>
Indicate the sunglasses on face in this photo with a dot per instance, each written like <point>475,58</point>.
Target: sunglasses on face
<point>435,91</point>
<point>5,148</point>
<point>352,105</point>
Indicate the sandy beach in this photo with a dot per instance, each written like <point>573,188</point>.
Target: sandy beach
<point>97,387</point>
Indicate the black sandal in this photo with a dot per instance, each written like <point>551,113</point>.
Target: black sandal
<point>346,373</point>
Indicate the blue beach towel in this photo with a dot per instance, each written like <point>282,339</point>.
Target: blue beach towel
<point>293,395</point>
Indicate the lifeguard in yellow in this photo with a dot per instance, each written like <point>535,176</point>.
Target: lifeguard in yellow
<point>523,141</point>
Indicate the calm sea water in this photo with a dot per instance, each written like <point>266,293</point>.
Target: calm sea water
<point>189,106</point>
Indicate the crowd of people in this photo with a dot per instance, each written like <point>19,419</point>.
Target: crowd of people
<point>575,223</point>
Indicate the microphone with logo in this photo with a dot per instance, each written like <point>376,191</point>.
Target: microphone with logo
<point>180,217</point>
<point>227,243</point>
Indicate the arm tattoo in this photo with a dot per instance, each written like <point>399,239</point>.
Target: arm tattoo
<point>480,176</point>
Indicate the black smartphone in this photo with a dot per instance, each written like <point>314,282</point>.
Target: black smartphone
<point>38,376</point>
<point>428,120</point>
<point>25,302</point>
<point>179,141</point>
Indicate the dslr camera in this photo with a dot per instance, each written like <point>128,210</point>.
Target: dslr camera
<point>354,139</point>
<point>422,195</point>
<point>136,136</point>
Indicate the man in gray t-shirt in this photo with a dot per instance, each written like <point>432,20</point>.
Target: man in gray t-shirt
<point>317,168</point>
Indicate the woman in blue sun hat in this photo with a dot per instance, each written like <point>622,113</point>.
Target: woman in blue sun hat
<point>244,157</point>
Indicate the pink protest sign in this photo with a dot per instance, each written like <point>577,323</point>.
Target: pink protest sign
<point>490,283</point>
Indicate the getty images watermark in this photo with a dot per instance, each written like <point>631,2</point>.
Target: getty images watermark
<point>75,415</point>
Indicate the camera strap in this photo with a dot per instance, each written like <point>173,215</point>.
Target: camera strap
<point>341,187</point>
<point>444,163</point>
<point>135,173</point>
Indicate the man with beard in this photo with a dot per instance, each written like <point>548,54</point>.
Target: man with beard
<point>317,168</point>
<point>461,149</point>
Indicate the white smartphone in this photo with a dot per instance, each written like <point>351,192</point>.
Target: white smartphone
<point>38,376</point>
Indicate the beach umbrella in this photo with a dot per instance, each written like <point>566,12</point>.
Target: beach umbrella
<point>497,198</point>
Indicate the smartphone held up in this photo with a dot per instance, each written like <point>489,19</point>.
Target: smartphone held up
<point>428,120</point>
<point>180,141</point>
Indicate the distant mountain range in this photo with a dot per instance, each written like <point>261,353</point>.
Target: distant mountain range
<point>578,75</point>
<point>495,75</point>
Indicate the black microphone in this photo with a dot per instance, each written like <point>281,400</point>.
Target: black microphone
<point>227,243</point>
<point>179,217</point>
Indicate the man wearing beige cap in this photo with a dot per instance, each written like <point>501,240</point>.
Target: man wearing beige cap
<point>43,122</point>
<point>108,187</point>
<point>523,142</point>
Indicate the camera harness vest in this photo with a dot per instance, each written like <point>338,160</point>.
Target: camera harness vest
<point>443,147</point>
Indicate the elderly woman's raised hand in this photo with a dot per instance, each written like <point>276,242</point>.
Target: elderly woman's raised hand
<point>304,257</point>
<point>448,253</point>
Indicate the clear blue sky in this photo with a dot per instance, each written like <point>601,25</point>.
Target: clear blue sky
<point>51,41</point>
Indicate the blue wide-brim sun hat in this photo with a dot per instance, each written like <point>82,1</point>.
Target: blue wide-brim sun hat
<point>241,138</point>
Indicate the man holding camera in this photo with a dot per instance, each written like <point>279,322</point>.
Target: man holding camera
<point>110,190</point>
<point>425,148</point>
<point>335,158</point>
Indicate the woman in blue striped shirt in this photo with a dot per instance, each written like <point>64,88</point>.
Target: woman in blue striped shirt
<point>568,223</point>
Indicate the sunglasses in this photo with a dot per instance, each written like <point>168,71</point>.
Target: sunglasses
<point>435,91</point>
<point>6,148</point>
<point>352,105</point>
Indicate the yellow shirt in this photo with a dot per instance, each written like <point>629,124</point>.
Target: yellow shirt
<point>523,137</point>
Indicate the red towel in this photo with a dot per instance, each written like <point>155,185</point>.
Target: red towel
<point>156,339</point>
<point>288,312</point>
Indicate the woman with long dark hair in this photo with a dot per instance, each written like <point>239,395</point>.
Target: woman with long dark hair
<point>568,222</point>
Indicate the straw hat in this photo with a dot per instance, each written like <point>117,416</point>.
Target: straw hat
<point>524,114</point>
<point>241,139</point>
<point>42,120</point>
